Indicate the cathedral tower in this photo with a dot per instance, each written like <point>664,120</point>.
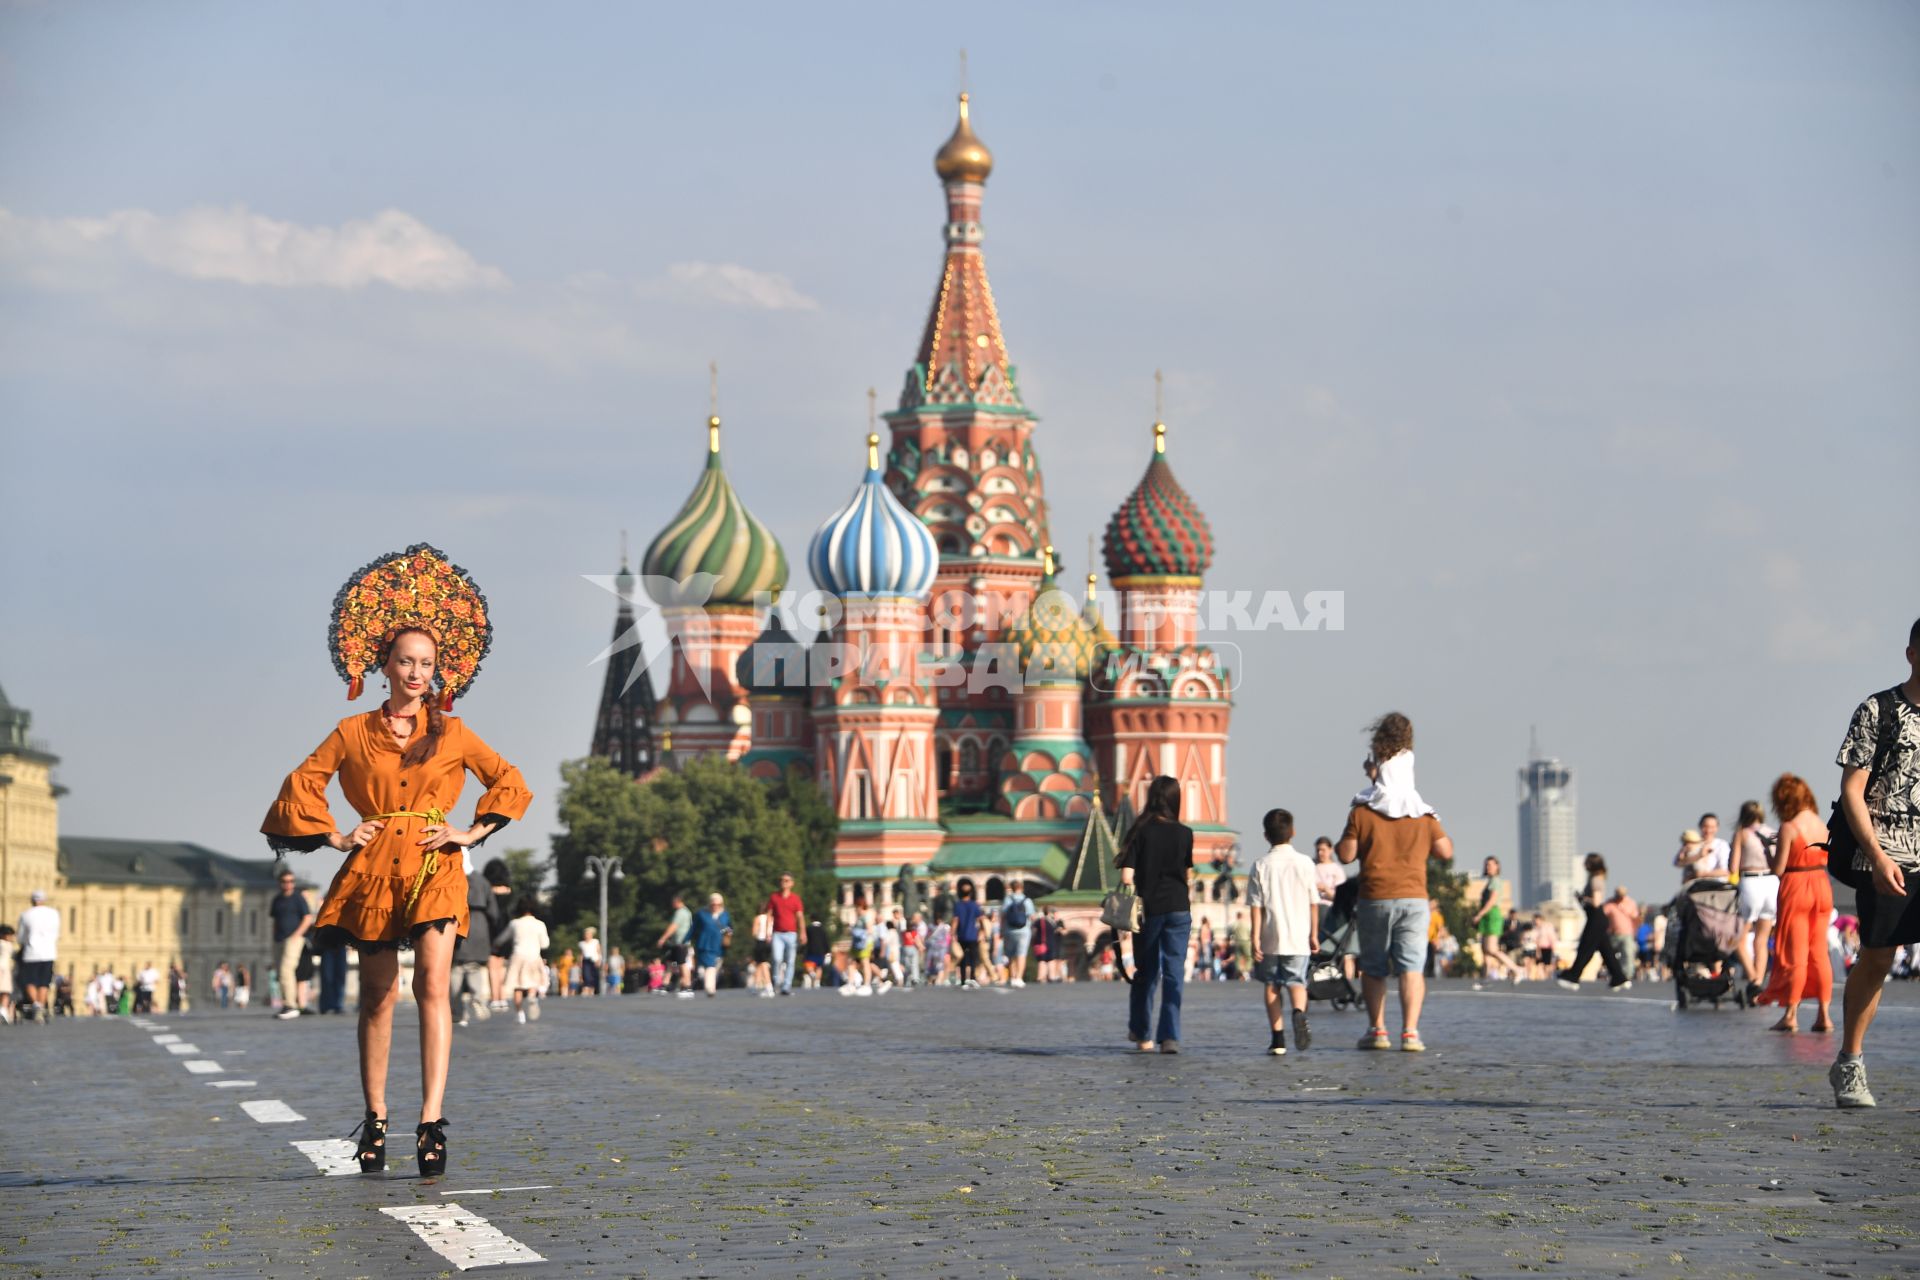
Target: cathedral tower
<point>623,729</point>
<point>710,569</point>
<point>961,458</point>
<point>1161,700</point>
<point>873,698</point>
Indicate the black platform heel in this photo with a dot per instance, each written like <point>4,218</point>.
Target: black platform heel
<point>371,1154</point>
<point>430,1147</point>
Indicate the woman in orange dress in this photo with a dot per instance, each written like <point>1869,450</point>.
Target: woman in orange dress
<point>1802,965</point>
<point>401,766</point>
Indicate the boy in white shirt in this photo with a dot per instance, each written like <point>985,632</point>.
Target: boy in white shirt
<point>1284,895</point>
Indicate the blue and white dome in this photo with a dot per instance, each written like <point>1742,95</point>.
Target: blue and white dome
<point>873,546</point>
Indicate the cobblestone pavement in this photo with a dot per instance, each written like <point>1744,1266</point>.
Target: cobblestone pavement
<point>987,1133</point>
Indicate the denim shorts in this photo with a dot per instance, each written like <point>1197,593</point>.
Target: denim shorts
<point>1393,936</point>
<point>1282,971</point>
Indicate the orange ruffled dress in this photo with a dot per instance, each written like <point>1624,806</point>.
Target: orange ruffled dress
<point>367,904</point>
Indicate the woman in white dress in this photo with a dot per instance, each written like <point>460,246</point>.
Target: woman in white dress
<point>526,974</point>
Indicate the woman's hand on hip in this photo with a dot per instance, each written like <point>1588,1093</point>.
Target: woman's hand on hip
<point>356,838</point>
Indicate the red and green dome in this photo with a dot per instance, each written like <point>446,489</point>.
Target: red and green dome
<point>1158,531</point>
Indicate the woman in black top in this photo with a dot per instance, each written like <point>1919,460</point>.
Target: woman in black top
<point>1593,938</point>
<point>1158,863</point>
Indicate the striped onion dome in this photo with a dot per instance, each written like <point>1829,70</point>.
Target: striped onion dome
<point>873,546</point>
<point>1052,639</point>
<point>714,534</point>
<point>1158,531</point>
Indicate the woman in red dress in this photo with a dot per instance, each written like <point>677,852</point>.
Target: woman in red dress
<point>1802,967</point>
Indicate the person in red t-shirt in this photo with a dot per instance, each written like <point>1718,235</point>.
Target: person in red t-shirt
<point>789,929</point>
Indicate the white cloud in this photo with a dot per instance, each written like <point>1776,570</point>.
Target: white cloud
<point>237,245</point>
<point>733,285</point>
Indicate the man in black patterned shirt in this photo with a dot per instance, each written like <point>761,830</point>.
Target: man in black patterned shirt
<point>1884,811</point>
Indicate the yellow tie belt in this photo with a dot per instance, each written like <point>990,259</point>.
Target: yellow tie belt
<point>431,863</point>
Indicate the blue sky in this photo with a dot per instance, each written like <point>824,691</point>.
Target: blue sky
<point>1574,343</point>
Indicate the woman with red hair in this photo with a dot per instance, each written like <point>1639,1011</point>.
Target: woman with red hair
<point>1801,966</point>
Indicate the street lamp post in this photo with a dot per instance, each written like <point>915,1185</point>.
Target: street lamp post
<point>603,870</point>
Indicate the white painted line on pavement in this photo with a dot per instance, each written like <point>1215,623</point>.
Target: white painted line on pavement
<point>182,1049</point>
<point>270,1111</point>
<point>230,1084</point>
<point>332,1156</point>
<point>166,1039</point>
<point>204,1066</point>
<point>494,1191</point>
<point>463,1238</point>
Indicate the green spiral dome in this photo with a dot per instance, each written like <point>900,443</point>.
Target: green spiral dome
<point>714,534</point>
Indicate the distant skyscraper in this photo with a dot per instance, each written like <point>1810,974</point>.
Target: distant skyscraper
<point>1549,862</point>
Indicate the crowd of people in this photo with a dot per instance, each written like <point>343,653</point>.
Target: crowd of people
<point>1761,904</point>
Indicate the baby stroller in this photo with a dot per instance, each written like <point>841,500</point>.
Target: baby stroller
<point>1703,925</point>
<point>1326,976</point>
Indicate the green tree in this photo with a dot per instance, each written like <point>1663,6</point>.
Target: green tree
<point>803,800</point>
<point>706,828</point>
<point>600,815</point>
<point>1449,888</point>
<point>526,872</point>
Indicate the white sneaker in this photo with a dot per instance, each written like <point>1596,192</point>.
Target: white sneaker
<point>287,1015</point>
<point>1017,982</point>
<point>683,995</point>
<point>533,1011</point>
<point>521,1017</point>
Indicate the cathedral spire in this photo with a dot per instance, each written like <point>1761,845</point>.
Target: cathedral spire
<point>962,358</point>
<point>623,727</point>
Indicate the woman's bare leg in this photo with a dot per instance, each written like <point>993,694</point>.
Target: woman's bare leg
<point>379,992</point>
<point>1762,933</point>
<point>432,976</point>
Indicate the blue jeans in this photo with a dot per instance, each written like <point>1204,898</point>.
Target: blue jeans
<point>333,980</point>
<point>784,945</point>
<point>1159,958</point>
<point>1393,936</point>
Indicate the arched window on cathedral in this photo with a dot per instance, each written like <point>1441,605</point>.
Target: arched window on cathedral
<point>944,754</point>
<point>996,889</point>
<point>969,757</point>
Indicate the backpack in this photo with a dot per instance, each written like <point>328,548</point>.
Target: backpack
<point>1842,843</point>
<point>1014,914</point>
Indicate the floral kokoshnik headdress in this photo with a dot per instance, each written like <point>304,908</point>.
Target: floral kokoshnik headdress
<point>418,587</point>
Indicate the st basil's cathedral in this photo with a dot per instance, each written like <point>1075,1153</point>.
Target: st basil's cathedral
<point>965,713</point>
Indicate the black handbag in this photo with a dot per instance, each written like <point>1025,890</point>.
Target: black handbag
<point>1843,844</point>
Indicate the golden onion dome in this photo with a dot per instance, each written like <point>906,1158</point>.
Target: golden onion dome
<point>1053,640</point>
<point>964,158</point>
